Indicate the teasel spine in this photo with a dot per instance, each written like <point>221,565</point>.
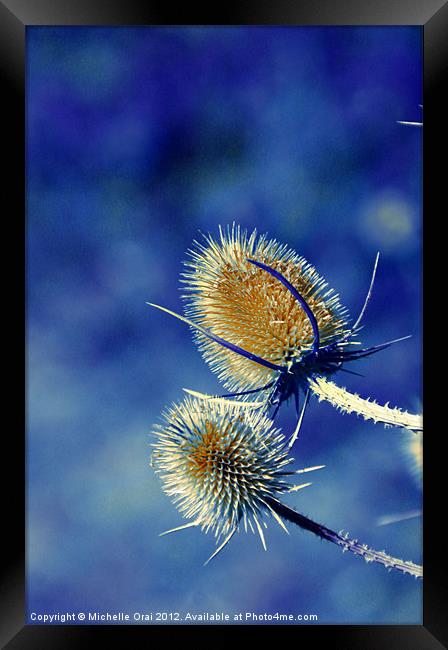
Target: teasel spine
<point>343,540</point>
<point>348,402</point>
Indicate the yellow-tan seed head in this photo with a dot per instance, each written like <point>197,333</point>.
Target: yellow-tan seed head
<point>219,462</point>
<point>248,307</point>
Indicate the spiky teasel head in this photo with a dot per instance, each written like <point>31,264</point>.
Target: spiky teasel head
<point>246,306</point>
<point>219,463</point>
<point>222,463</point>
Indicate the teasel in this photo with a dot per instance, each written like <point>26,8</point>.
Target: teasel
<point>269,326</point>
<point>225,464</point>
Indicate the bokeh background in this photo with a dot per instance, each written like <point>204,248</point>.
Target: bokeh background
<point>137,139</point>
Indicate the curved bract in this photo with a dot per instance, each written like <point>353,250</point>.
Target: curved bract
<point>298,296</point>
<point>243,304</point>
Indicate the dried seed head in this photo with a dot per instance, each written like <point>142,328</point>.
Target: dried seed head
<point>219,462</point>
<point>247,306</point>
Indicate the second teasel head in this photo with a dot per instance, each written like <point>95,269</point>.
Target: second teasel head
<point>223,465</point>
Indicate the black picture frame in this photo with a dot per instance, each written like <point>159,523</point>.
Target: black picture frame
<point>15,17</point>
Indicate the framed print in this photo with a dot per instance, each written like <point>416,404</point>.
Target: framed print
<point>224,322</point>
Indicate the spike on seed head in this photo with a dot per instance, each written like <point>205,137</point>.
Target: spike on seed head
<point>243,304</point>
<point>219,462</point>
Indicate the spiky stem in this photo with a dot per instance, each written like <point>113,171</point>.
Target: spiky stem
<point>344,541</point>
<point>348,402</point>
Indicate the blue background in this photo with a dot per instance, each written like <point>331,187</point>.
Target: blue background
<point>137,139</point>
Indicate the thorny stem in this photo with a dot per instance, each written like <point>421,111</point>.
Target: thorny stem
<point>348,402</point>
<point>347,544</point>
